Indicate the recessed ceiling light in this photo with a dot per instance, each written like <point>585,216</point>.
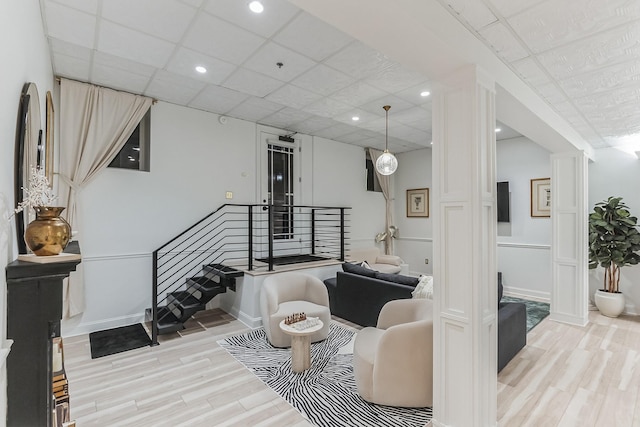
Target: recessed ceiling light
<point>201,69</point>
<point>425,93</point>
<point>498,129</point>
<point>355,118</point>
<point>431,142</point>
<point>256,7</point>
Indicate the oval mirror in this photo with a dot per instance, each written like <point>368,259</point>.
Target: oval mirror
<point>27,153</point>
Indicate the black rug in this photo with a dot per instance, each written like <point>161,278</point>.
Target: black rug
<point>326,393</point>
<point>293,259</point>
<point>117,340</point>
<point>536,311</point>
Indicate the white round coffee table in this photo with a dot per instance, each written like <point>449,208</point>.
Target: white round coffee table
<point>300,345</point>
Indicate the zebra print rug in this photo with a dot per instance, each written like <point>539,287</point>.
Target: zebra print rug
<point>326,393</point>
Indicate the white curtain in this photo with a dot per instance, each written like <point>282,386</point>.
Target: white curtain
<point>385,184</point>
<point>95,123</point>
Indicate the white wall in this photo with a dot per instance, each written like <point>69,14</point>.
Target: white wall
<point>414,243</point>
<point>616,173</point>
<point>125,215</point>
<point>25,58</point>
<point>524,243</point>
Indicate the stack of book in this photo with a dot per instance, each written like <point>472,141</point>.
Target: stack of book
<point>60,387</point>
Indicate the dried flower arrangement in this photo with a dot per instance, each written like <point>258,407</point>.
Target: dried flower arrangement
<point>39,192</point>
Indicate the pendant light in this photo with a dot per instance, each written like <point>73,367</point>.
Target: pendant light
<point>387,162</point>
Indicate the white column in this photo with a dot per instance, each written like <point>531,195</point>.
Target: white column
<point>569,252</point>
<point>464,242</point>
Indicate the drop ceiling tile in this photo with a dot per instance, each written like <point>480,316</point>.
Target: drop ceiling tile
<point>194,3</point>
<point>414,117</point>
<point>397,105</point>
<point>69,49</point>
<point>221,40</point>
<point>276,13</point>
<point>101,58</point>
<point>327,107</point>
<point>173,88</point>
<point>323,80</point>
<point>377,125</point>
<point>335,131</point>
<point>311,124</point>
<point>293,96</point>
<point>252,83</point>
<point>58,18</point>
<point>603,79</point>
<point>357,94</point>
<point>347,117</point>
<point>618,102</point>
<point>531,72</point>
<point>475,13</point>
<point>73,68</point>
<point>287,118</point>
<point>185,61</point>
<point>265,60</point>
<point>395,78</point>
<point>412,94</point>
<point>304,33</point>
<point>90,6</point>
<point>507,8</point>
<point>118,79</point>
<point>503,42</point>
<point>218,99</point>
<point>165,19</point>
<point>359,61</point>
<point>352,138</point>
<point>614,46</point>
<point>120,41</point>
<point>255,109</point>
<point>550,24</point>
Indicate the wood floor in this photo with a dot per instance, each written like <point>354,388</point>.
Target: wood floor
<point>566,376</point>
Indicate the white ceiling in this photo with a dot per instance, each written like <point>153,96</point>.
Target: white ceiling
<point>581,56</point>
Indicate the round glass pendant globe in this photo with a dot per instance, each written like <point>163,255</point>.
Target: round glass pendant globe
<point>386,163</point>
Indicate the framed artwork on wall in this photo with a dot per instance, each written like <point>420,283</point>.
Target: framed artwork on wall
<point>48,146</point>
<point>418,202</point>
<point>541,197</point>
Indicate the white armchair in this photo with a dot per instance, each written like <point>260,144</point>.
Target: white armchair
<point>393,362</point>
<point>287,293</point>
<point>376,260</point>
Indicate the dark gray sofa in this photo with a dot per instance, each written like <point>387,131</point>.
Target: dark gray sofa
<point>359,298</point>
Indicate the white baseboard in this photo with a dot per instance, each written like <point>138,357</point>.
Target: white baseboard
<point>68,330</point>
<point>527,294</point>
<point>571,320</point>
<point>252,322</point>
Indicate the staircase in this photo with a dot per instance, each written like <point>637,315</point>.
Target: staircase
<point>199,290</point>
<point>206,259</point>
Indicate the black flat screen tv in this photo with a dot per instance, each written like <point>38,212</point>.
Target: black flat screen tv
<point>503,201</point>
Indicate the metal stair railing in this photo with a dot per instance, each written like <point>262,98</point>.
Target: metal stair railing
<point>247,236</point>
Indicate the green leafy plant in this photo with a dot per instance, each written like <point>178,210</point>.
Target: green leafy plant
<point>614,240</point>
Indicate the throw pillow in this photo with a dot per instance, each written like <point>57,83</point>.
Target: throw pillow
<point>347,267</point>
<point>365,264</point>
<point>397,278</point>
<point>424,288</point>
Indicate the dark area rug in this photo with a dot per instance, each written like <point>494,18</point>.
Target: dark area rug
<point>293,259</point>
<point>117,340</point>
<point>536,311</point>
<point>326,393</point>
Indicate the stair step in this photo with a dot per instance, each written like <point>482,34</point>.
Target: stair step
<point>203,287</point>
<point>185,302</point>
<point>222,270</point>
<point>168,322</point>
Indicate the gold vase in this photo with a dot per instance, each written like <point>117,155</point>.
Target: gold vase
<point>48,234</point>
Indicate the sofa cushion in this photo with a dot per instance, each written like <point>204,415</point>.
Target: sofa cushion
<point>397,278</point>
<point>357,269</point>
<point>424,288</point>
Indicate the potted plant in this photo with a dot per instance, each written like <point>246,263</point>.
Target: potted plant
<point>614,241</point>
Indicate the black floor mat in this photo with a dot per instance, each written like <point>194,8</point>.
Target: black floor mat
<point>117,340</point>
<point>292,259</point>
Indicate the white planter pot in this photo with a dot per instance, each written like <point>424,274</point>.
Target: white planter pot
<point>609,304</point>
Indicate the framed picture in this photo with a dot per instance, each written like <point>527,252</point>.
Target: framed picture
<point>541,197</point>
<point>418,202</point>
